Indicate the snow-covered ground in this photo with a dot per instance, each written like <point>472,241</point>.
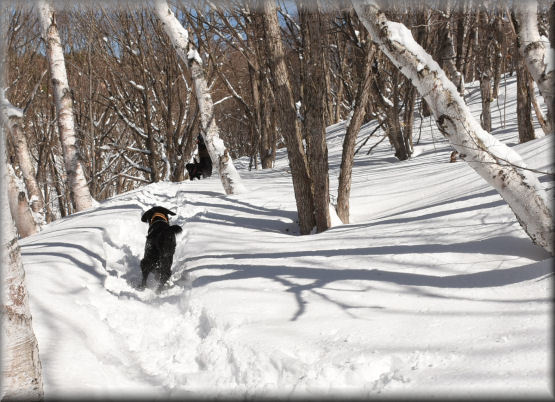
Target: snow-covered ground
<point>433,290</point>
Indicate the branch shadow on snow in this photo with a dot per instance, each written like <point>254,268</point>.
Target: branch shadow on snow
<point>500,245</point>
<point>322,277</point>
<point>88,267</point>
<point>255,217</point>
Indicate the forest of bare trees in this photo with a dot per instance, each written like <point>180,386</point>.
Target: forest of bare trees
<point>276,73</point>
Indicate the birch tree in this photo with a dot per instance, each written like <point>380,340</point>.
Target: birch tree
<point>62,97</point>
<point>219,154</point>
<point>496,163</point>
<point>537,54</point>
<point>21,368</point>
<point>526,131</point>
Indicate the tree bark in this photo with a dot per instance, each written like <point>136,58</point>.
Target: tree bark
<point>21,367</point>
<point>313,28</point>
<point>492,160</point>
<point>289,123</point>
<point>535,54</point>
<point>446,52</point>
<point>353,128</point>
<point>14,124</point>
<point>484,69</point>
<point>20,209</point>
<point>26,166</point>
<point>62,96</point>
<point>523,97</point>
<point>219,154</point>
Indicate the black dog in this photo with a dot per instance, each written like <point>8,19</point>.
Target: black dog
<point>204,166</point>
<point>160,245</point>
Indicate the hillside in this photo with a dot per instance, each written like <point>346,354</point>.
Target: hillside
<point>433,289</point>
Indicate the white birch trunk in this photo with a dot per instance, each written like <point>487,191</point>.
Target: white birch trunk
<point>491,159</point>
<point>21,368</point>
<point>62,96</point>
<point>19,208</point>
<point>14,119</point>
<point>219,154</point>
<point>538,55</point>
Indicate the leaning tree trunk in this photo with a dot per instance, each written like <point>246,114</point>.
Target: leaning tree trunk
<point>353,128</point>
<point>14,122</point>
<point>219,154</point>
<point>21,368</point>
<point>62,97</point>
<point>498,164</point>
<point>535,54</point>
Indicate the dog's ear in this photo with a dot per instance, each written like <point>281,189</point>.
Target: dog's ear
<point>164,211</point>
<point>147,215</point>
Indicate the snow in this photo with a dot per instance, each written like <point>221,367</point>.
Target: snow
<point>193,54</point>
<point>432,290</point>
<point>8,110</point>
<point>137,86</point>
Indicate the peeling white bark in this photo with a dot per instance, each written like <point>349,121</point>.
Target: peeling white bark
<point>221,159</point>
<point>21,368</point>
<point>492,160</point>
<point>14,119</point>
<point>19,208</point>
<point>62,97</point>
<point>537,53</point>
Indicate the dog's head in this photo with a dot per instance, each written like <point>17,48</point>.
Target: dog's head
<point>156,212</point>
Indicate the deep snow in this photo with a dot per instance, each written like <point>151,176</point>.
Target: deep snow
<point>433,290</point>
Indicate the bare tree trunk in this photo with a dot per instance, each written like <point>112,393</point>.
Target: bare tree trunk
<point>492,160</point>
<point>219,154</point>
<point>499,39</point>
<point>19,208</point>
<point>21,367</point>
<point>523,98</point>
<point>290,125</point>
<point>14,122</point>
<point>27,168</point>
<point>447,49</point>
<point>353,128</point>
<point>62,96</point>
<point>551,17</point>
<point>535,54</point>
<point>313,28</point>
<point>485,90</point>
<point>463,21</point>
<point>484,70</point>
<point>268,125</point>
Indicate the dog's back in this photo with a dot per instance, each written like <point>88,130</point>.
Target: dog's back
<point>162,236</point>
<point>160,244</point>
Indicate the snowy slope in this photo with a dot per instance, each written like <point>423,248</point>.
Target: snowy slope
<point>433,290</point>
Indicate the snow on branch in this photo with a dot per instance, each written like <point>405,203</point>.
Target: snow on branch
<point>9,110</point>
<point>136,165</point>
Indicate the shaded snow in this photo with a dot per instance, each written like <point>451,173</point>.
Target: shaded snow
<point>433,289</point>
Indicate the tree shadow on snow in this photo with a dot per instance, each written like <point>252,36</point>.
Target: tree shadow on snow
<point>321,278</point>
